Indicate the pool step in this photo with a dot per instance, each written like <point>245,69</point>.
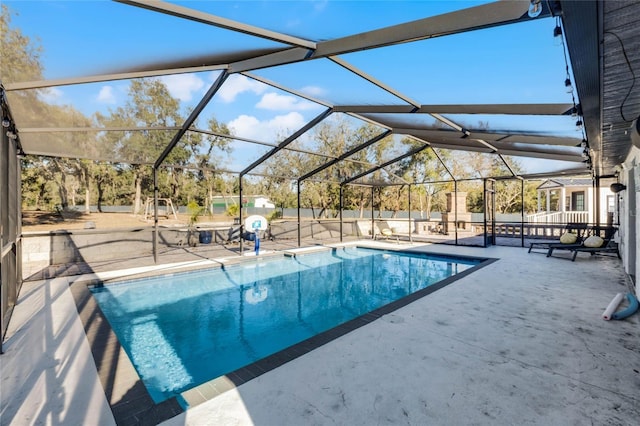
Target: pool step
<point>306,250</point>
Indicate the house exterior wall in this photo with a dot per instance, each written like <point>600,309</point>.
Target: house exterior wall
<point>605,194</point>
<point>565,202</point>
<point>629,205</point>
<point>588,199</point>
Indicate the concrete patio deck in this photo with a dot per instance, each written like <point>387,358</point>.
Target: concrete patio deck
<point>520,341</point>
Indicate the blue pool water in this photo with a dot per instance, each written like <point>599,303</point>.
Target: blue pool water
<point>185,329</point>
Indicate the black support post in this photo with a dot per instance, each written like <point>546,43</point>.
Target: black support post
<point>522,213</point>
<point>373,234</point>
<point>409,225</point>
<point>299,224</point>
<point>455,204</point>
<point>155,214</point>
<point>240,215</point>
<point>340,206</point>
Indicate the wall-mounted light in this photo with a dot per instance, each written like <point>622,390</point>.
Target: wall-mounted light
<point>617,187</point>
<point>5,122</point>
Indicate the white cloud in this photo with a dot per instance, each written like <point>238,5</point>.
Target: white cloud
<point>52,95</point>
<point>244,126</point>
<point>182,86</point>
<point>275,102</point>
<point>313,91</point>
<point>237,84</point>
<point>269,130</point>
<point>106,95</point>
<point>287,123</point>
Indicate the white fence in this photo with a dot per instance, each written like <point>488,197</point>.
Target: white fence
<point>559,217</point>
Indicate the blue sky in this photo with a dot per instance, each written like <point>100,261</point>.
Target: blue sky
<point>511,64</point>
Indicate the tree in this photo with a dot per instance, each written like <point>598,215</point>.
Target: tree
<point>149,105</point>
<point>342,138</point>
<point>279,184</point>
<point>36,182</point>
<point>20,55</point>
<point>207,159</point>
<point>104,175</point>
<point>21,61</point>
<point>424,167</point>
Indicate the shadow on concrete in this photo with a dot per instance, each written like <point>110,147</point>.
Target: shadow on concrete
<point>129,399</point>
<point>34,368</point>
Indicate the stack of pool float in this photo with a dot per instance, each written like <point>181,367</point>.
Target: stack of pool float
<point>611,314</point>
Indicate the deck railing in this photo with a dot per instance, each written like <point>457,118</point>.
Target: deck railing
<point>559,217</point>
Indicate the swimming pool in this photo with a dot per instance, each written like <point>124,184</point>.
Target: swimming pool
<point>185,329</point>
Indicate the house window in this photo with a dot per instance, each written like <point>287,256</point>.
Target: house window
<point>577,200</point>
<point>611,204</point>
<point>567,203</point>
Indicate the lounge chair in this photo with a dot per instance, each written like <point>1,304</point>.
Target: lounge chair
<point>234,234</point>
<point>579,229</point>
<point>607,246</point>
<point>385,233</point>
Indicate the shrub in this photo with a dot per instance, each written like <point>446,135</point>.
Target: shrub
<point>233,210</point>
<point>194,211</point>
<point>276,214</point>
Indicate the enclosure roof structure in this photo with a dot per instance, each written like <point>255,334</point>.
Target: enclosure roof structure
<point>447,78</point>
